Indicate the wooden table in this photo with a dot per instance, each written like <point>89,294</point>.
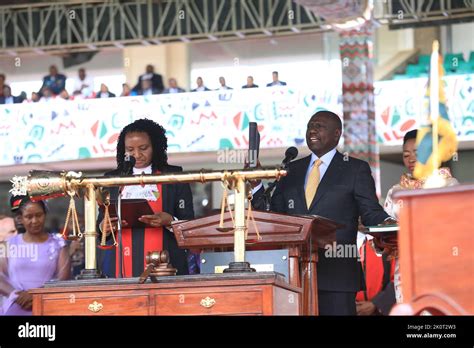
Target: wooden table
<point>264,293</point>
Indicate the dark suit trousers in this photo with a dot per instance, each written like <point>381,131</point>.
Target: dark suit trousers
<point>336,303</point>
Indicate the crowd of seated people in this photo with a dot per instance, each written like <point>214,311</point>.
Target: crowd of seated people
<point>53,87</point>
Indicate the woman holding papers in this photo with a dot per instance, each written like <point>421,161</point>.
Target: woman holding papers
<point>408,182</point>
<point>145,140</point>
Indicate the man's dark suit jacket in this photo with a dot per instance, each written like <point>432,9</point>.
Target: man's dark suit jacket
<point>346,191</point>
<point>156,83</point>
<point>56,85</point>
<point>178,202</point>
<point>16,100</point>
<point>98,95</point>
<point>281,84</point>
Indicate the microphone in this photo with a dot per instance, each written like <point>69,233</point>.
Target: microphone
<point>290,155</point>
<point>128,164</point>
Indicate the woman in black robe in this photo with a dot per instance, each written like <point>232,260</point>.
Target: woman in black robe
<point>145,140</point>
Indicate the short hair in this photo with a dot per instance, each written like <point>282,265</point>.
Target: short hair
<point>3,75</point>
<point>334,118</point>
<point>158,140</point>
<point>275,72</point>
<point>410,135</point>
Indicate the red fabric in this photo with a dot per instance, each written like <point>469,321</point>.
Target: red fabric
<point>154,236</point>
<point>127,254</point>
<point>373,273</point>
<point>153,239</point>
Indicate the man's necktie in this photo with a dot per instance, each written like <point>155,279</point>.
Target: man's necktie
<point>312,183</point>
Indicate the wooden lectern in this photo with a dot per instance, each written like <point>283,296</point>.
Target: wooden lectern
<point>436,242</point>
<point>302,235</point>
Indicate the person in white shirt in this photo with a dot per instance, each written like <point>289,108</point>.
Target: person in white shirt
<point>84,84</point>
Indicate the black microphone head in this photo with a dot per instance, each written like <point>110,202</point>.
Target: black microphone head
<point>291,153</point>
<point>132,161</point>
<point>128,164</point>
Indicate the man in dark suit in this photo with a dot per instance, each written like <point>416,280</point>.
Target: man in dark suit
<point>156,80</point>
<point>54,81</point>
<point>276,81</point>
<point>250,83</point>
<point>337,187</point>
<point>8,98</point>
<point>104,92</point>
<point>173,87</point>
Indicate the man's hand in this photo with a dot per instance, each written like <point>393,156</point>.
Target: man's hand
<point>157,220</point>
<point>24,299</point>
<point>389,221</point>
<point>254,183</point>
<point>365,308</point>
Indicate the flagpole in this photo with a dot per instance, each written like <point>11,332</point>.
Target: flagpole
<point>434,101</point>
<point>435,179</point>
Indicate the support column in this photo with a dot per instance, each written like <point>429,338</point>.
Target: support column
<point>358,97</point>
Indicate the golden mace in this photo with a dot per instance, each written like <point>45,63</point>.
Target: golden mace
<point>46,184</point>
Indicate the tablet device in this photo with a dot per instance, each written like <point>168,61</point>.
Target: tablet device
<point>132,209</point>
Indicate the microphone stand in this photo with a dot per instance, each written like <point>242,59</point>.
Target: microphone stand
<point>119,232</point>
<point>268,191</point>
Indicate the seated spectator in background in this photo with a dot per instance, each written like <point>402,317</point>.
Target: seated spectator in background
<point>173,87</point>
<point>47,259</point>
<point>147,89</point>
<point>54,81</point>
<point>7,97</point>
<point>2,83</point>
<point>83,85</point>
<point>125,90</point>
<point>378,296</point>
<point>46,95</point>
<point>104,92</point>
<point>250,83</point>
<point>156,79</point>
<point>15,205</point>
<point>200,85</point>
<point>7,230</point>
<point>7,227</point>
<point>34,98</point>
<point>223,85</point>
<point>276,81</point>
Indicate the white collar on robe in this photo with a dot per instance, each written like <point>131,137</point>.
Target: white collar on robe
<point>140,192</point>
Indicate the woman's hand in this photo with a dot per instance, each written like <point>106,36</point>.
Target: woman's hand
<point>24,299</point>
<point>157,220</point>
<point>114,222</point>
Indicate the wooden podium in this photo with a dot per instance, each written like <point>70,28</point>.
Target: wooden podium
<point>436,242</point>
<point>301,235</point>
<point>261,293</point>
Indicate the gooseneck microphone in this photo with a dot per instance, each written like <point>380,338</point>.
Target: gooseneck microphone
<point>290,155</point>
<point>127,169</point>
<point>128,164</point>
